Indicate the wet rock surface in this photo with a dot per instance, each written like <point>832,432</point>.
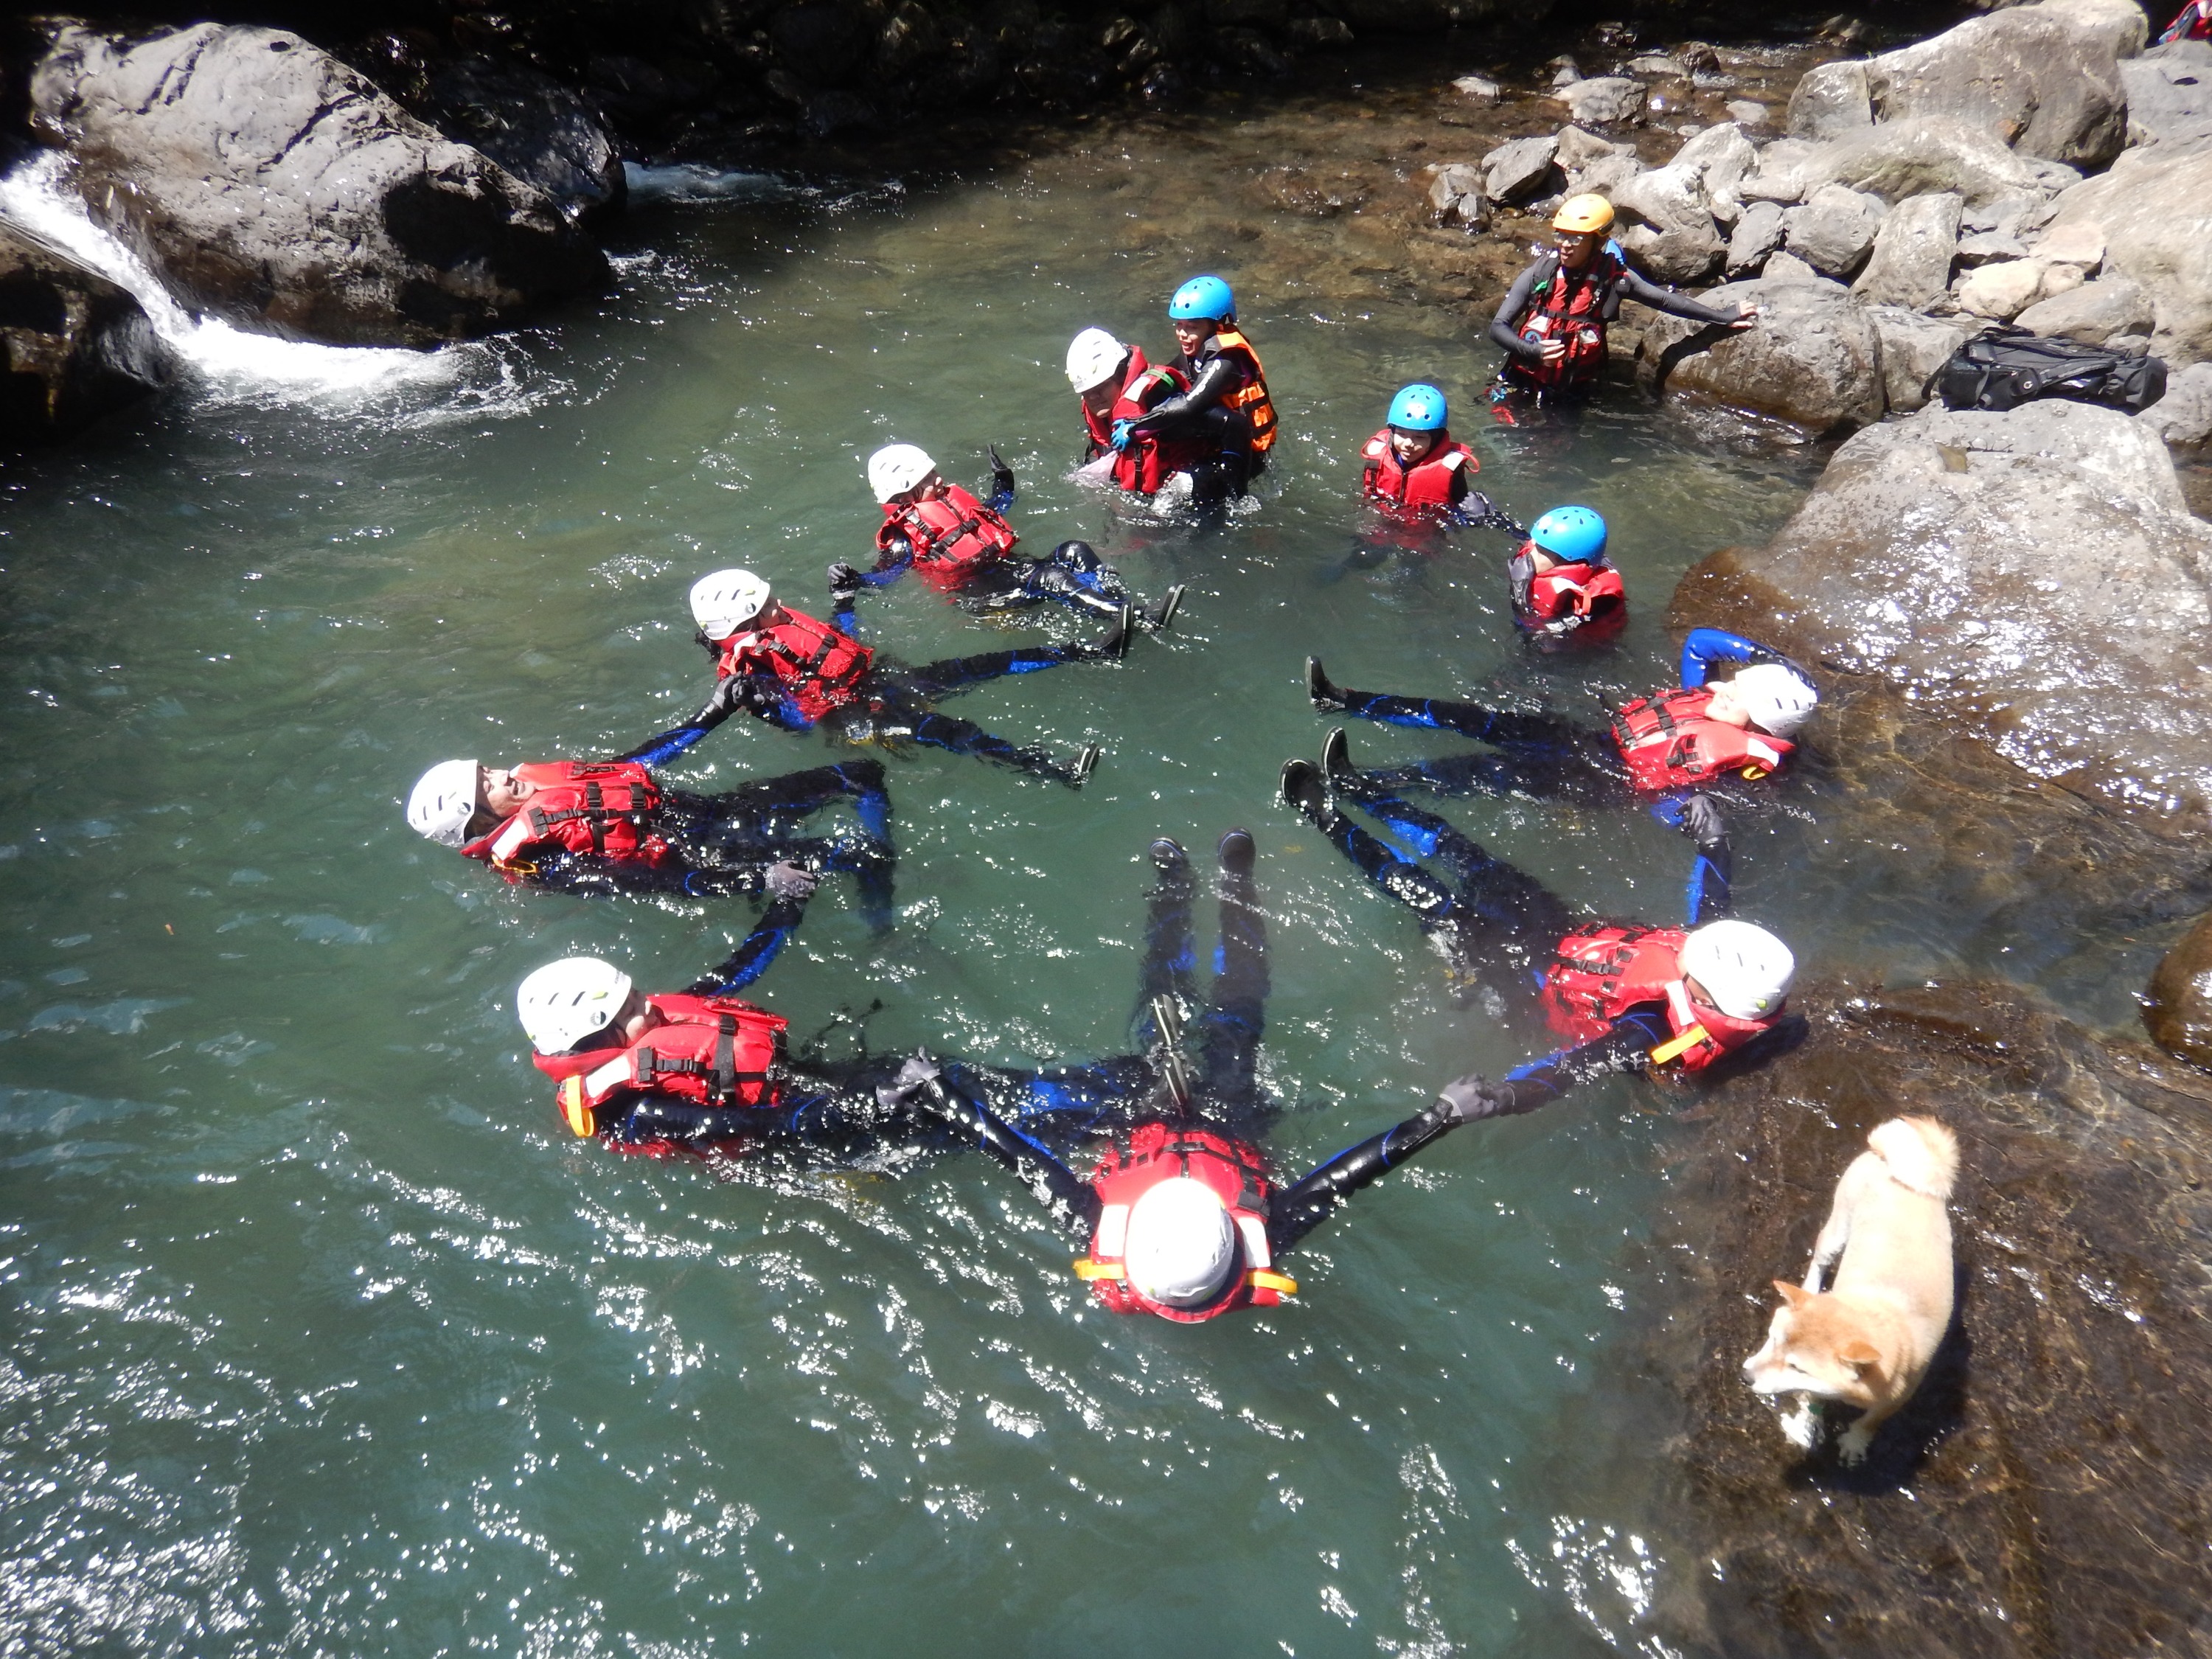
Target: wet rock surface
<point>1812,358</point>
<point>2042,1495</point>
<point>267,182</point>
<point>78,346</point>
<point>2178,1002</point>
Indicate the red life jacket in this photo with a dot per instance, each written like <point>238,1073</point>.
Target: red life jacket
<point>1101,427</point>
<point>1426,484</point>
<point>2193,22</point>
<point>1602,970</point>
<point>1580,589</point>
<point>818,668</point>
<point>952,537</point>
<point>1669,743</point>
<point>1570,305</point>
<point>1160,1152</point>
<point>1147,463</point>
<point>711,1051</point>
<point>601,807</point>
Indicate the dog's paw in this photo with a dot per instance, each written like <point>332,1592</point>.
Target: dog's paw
<point>1851,1446</point>
<point>1800,1425</point>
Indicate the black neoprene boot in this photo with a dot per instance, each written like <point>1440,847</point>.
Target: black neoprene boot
<point>1325,695</point>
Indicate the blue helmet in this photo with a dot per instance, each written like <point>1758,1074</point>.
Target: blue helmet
<point>1572,533</point>
<point>1419,408</point>
<point>1203,296</point>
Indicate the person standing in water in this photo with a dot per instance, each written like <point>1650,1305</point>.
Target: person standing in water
<point>1222,407</point>
<point>1418,482</point>
<point>1102,370</point>
<point>1182,1217</point>
<point>1552,320</point>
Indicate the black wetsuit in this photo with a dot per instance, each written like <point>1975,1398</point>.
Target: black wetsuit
<point>1201,414</point>
<point>1506,328</point>
<point>1225,1097</point>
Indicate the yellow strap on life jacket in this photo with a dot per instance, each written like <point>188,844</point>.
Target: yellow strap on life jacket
<point>583,1122</point>
<point>1282,1283</point>
<point>1086,1269</point>
<point>1679,1046</point>
<point>1755,772</point>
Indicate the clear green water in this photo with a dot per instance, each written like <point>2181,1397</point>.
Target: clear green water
<point>324,1337</point>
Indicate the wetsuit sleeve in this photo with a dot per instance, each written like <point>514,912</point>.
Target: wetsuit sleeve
<point>1214,382</point>
<point>1505,327</point>
<point>1072,1201</point>
<point>754,953</point>
<point>1706,647</point>
<point>1478,511</point>
<point>1633,287</point>
<point>1303,1206</point>
<point>661,750</point>
<point>1626,1047</point>
<point>1712,871</point>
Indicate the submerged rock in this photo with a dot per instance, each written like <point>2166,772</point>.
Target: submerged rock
<point>2034,578</point>
<point>2043,1492</point>
<point>2178,1002</point>
<point>266,182</point>
<point>78,346</point>
<point>1812,358</point>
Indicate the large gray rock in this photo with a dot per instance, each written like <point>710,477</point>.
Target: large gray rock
<point>1834,230</point>
<point>1913,346</point>
<point>1832,100</point>
<point>77,346</point>
<point>1669,234</point>
<point>2044,79</point>
<point>1522,170</point>
<point>1757,235</point>
<point>2092,313</point>
<point>1812,358</point>
<point>1921,156</point>
<point>2035,576</point>
<point>2169,92</point>
<point>539,130</point>
<point>1605,100</point>
<point>1911,261</point>
<point>2154,208</point>
<point>1722,158</point>
<point>268,183</point>
<point>2183,416</point>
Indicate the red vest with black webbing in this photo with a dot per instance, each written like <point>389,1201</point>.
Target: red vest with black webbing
<point>1159,1152</point>
<point>1101,427</point>
<point>1570,306</point>
<point>1426,484</point>
<point>1579,589</point>
<point>818,668</point>
<point>1602,970</point>
<point>710,1051</point>
<point>1667,743</point>
<point>951,537</point>
<point>605,808</point>
<point>1145,463</point>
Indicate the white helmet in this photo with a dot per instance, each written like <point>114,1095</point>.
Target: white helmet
<point>724,601</point>
<point>1093,357</point>
<point>1745,970</point>
<point>444,801</point>
<point>565,1001</point>
<point>1777,699</point>
<point>896,468</point>
<point>1182,1245</point>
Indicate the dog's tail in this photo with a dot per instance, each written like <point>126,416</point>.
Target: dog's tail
<point>1921,1154</point>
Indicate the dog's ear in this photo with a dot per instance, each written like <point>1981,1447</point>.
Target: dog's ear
<point>1858,1354</point>
<point>1794,1295</point>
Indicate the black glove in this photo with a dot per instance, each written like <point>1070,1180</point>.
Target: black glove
<point>1702,820</point>
<point>1002,476</point>
<point>732,693</point>
<point>843,578</point>
<point>787,880</point>
<point>1473,1097</point>
<point>913,1079</point>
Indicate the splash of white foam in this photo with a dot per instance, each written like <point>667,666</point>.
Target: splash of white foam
<point>232,365</point>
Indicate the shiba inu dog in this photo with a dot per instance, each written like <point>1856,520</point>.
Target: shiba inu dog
<point>1867,1340</point>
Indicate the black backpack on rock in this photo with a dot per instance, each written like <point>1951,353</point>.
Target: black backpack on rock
<point>2005,365</point>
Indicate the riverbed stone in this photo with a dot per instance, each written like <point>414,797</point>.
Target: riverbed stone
<point>2034,578</point>
<point>1832,100</point>
<point>1914,346</point>
<point>2001,292</point>
<point>268,183</point>
<point>1603,100</point>
<point>2183,416</point>
<point>2169,92</point>
<point>2178,1001</point>
<point>1521,169</point>
<point>1811,359</point>
<point>2094,312</point>
<point>1455,197</point>
<point>1834,230</point>
<point>2154,208</point>
<point>1911,264</point>
<point>1922,154</point>
<point>1758,233</point>
<point>78,346</point>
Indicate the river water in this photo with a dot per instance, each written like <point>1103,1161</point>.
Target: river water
<point>324,1337</point>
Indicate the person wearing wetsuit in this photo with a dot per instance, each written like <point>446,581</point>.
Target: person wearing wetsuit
<point>1212,404</point>
<point>1417,482</point>
<point>1102,370</point>
<point>1564,587</point>
<point>1622,996</point>
<point>1701,736</point>
<point>963,546</point>
<point>1182,1219</point>
<point>1552,320</point>
<point>795,671</point>
<point>608,826</point>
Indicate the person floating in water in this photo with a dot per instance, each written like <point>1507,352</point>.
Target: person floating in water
<point>1621,996</point>
<point>1181,1217</point>
<point>963,546</point>
<point>1552,320</point>
<point>1418,482</point>
<point>1207,414</point>
<point>1563,585</point>
<point>606,827</point>
<point>792,670</point>
<point>1703,734</point>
